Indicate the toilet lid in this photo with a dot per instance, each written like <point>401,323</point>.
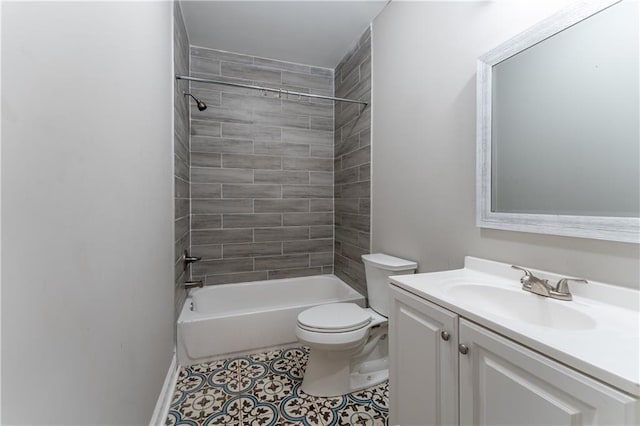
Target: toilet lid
<point>335,317</point>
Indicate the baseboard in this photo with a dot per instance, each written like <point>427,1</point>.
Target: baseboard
<point>161,411</point>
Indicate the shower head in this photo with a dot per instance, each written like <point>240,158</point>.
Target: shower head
<point>201,105</point>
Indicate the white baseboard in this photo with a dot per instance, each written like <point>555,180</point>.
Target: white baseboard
<point>161,411</point>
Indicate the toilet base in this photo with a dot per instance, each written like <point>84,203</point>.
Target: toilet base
<point>331,373</point>
<point>330,377</point>
<point>326,374</point>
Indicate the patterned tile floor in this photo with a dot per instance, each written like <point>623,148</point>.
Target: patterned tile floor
<point>263,389</point>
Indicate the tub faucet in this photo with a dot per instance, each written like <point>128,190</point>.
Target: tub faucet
<point>188,260</point>
<point>542,287</point>
<point>193,284</point>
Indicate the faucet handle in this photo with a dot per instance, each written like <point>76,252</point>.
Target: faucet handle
<point>563,284</point>
<point>530,281</point>
<point>527,273</point>
<point>188,260</point>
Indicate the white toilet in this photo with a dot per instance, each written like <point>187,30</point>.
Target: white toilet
<point>349,347</point>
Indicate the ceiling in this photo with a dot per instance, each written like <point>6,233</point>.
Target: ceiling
<point>315,33</point>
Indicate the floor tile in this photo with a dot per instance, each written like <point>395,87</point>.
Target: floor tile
<point>263,389</point>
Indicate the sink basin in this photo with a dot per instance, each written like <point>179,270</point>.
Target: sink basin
<point>520,305</point>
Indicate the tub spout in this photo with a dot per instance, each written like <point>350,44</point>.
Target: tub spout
<point>193,284</point>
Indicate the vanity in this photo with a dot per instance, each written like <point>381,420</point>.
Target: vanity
<point>558,139</point>
<point>471,347</point>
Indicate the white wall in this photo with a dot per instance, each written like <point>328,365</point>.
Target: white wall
<point>87,220</point>
<point>423,165</point>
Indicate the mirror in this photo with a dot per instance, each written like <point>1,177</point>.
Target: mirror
<point>559,126</point>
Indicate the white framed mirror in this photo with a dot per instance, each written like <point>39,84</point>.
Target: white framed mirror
<point>558,126</point>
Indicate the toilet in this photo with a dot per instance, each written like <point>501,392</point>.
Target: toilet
<point>349,346</point>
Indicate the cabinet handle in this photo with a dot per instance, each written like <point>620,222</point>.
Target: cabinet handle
<point>445,336</point>
<point>463,349</point>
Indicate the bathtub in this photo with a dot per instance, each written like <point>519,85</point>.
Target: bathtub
<point>223,320</point>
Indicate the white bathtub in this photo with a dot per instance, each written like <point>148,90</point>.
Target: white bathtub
<point>217,321</point>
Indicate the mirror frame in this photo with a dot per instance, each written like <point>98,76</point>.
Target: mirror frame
<point>625,229</point>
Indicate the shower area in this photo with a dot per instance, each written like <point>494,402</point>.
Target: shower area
<point>270,183</point>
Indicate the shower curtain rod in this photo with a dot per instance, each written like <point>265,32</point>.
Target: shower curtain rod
<point>269,89</point>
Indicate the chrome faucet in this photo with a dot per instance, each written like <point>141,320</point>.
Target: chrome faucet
<point>534,284</point>
<point>193,284</point>
<point>542,287</point>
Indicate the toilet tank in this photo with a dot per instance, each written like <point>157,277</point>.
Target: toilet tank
<point>378,268</point>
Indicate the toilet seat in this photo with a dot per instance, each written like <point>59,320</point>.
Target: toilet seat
<point>334,318</point>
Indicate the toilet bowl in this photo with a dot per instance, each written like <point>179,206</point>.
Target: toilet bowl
<point>349,347</point>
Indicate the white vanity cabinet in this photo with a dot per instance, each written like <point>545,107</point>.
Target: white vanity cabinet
<point>504,383</point>
<point>500,382</point>
<point>423,368</point>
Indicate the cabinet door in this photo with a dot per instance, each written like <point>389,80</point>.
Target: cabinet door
<point>504,383</point>
<point>423,366</point>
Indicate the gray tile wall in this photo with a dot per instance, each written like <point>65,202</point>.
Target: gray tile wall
<point>352,165</point>
<point>261,170</point>
<point>181,153</point>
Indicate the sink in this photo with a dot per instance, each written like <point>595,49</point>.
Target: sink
<point>519,305</point>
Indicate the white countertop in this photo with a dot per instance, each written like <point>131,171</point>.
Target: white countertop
<point>608,351</point>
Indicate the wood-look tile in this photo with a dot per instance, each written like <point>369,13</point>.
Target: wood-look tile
<point>301,163</point>
<point>251,191</point>
<point>321,123</point>
<point>356,190</point>
<point>322,151</point>
<point>279,119</point>
<point>205,128</point>
<point>281,206</point>
<point>221,236</point>
<point>282,262</point>
<point>294,273</point>
<point>357,157</point>
<point>283,177</point>
<point>208,252</point>
<point>206,190</point>
<point>302,219</point>
<point>285,233</point>
<point>321,259</point>
<point>205,159</point>
<point>251,131</point>
<point>251,249</point>
<point>217,175</point>
<point>246,161</point>
<point>250,72</point>
<point>281,148</point>
<point>213,206</point>
<point>235,278</point>
<point>180,227</point>
<point>307,80</point>
<point>220,55</point>
<point>325,231</point>
<point>213,267</point>
<point>251,220</point>
<point>321,178</point>
<point>307,191</point>
<point>281,65</point>
<point>321,205</point>
<point>308,246</point>
<point>205,221</point>
<point>307,136</point>
<point>227,145</point>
